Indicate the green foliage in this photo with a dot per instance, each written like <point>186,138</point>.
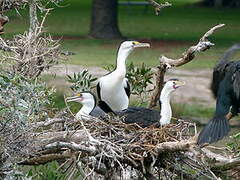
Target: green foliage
<point>234,145</point>
<point>22,101</point>
<point>50,171</point>
<point>81,81</point>
<point>139,78</point>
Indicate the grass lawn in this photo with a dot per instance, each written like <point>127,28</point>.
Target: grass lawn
<point>177,27</point>
<point>170,33</point>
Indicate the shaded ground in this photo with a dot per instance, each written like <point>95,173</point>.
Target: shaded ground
<point>196,90</point>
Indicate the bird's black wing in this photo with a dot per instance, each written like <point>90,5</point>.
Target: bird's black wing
<point>142,116</point>
<point>236,79</point>
<point>218,126</point>
<point>127,88</point>
<point>219,73</point>
<point>98,90</point>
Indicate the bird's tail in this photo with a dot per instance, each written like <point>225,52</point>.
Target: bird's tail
<point>216,129</point>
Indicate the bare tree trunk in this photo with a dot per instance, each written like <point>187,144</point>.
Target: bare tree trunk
<point>104,24</point>
<point>33,16</point>
<point>218,3</point>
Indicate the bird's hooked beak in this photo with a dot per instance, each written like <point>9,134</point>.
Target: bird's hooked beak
<point>75,98</point>
<point>178,84</point>
<point>138,44</point>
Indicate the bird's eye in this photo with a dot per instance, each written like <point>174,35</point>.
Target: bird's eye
<point>135,42</point>
<point>79,94</point>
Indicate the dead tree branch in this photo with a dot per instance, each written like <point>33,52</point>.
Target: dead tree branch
<point>126,145</point>
<point>187,56</point>
<point>31,53</point>
<point>158,7</point>
<point>3,21</point>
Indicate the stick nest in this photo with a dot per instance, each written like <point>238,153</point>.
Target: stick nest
<point>134,140</point>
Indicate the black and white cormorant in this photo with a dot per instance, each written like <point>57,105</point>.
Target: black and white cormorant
<point>226,89</point>
<point>142,116</point>
<point>113,89</point>
<point>146,117</point>
<point>89,108</point>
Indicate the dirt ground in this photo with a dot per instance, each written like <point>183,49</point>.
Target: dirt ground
<point>196,90</point>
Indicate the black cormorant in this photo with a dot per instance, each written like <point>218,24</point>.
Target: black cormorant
<point>226,89</point>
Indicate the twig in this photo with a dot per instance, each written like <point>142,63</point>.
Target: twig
<point>158,7</point>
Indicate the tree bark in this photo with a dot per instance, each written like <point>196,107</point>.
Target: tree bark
<point>33,16</point>
<point>3,20</point>
<point>104,23</point>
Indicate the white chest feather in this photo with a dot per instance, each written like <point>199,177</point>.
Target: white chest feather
<point>166,111</point>
<point>84,113</point>
<point>113,93</point>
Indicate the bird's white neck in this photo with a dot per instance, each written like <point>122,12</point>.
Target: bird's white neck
<point>85,111</point>
<point>121,62</point>
<point>166,111</point>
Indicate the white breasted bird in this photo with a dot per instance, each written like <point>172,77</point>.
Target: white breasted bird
<point>113,89</point>
<point>89,108</point>
<point>145,117</point>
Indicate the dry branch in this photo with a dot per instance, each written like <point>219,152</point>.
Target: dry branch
<point>91,150</point>
<point>31,53</point>
<point>158,7</point>
<point>187,56</point>
<point>3,21</point>
<point>184,145</point>
<point>43,159</point>
<point>122,145</point>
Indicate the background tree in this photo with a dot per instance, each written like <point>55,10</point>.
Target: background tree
<point>104,22</point>
<point>104,18</point>
<point>222,3</point>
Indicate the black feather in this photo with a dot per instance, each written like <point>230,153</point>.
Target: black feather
<point>98,91</point>
<point>226,89</point>
<point>105,107</point>
<point>144,117</point>
<point>216,129</point>
<point>128,89</point>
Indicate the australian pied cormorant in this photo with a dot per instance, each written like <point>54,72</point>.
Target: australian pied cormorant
<point>146,117</point>
<point>113,89</point>
<point>226,89</point>
<point>89,108</point>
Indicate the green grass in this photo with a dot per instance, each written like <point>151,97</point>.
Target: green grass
<point>179,26</point>
<point>192,110</point>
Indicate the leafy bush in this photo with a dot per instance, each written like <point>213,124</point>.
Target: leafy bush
<point>50,171</point>
<point>81,81</point>
<point>139,79</point>
<point>22,101</point>
<point>234,145</point>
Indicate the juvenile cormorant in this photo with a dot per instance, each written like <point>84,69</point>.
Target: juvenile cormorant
<point>113,89</point>
<point>226,89</point>
<point>89,108</point>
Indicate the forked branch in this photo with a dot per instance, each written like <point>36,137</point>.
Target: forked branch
<point>158,7</point>
<point>187,56</point>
